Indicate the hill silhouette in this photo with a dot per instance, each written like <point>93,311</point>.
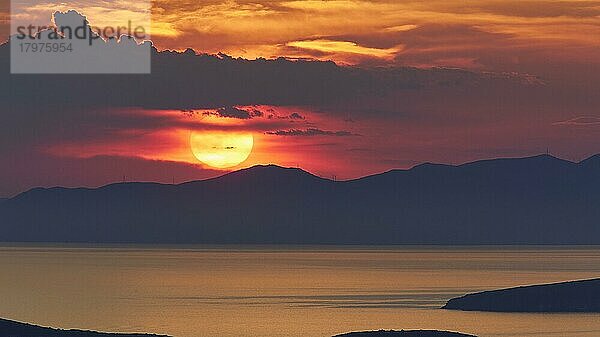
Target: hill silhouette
<point>573,296</point>
<point>17,329</point>
<point>534,200</point>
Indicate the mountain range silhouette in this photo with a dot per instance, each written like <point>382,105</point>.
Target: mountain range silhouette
<point>533,200</point>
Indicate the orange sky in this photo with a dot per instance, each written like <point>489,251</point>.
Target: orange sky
<point>433,32</point>
<point>473,33</point>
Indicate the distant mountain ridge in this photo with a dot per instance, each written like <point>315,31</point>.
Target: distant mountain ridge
<point>533,200</point>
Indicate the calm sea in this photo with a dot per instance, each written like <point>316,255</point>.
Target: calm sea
<point>283,291</point>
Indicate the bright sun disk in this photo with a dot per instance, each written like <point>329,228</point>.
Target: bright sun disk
<point>221,149</point>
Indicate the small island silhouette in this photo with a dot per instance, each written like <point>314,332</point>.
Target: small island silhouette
<point>572,296</point>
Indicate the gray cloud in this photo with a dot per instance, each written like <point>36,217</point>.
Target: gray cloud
<point>234,112</point>
<point>310,132</point>
<point>293,116</point>
<point>579,121</point>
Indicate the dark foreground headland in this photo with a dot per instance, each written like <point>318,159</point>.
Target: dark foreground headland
<point>10,328</point>
<point>573,296</point>
<point>17,329</point>
<point>404,333</point>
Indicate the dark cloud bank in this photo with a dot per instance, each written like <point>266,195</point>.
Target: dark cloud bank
<point>34,106</point>
<point>187,81</point>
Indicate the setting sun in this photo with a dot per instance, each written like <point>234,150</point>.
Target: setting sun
<point>221,149</point>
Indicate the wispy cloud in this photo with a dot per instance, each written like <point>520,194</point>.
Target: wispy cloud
<point>580,121</point>
<point>332,47</point>
<point>235,112</point>
<point>310,132</point>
